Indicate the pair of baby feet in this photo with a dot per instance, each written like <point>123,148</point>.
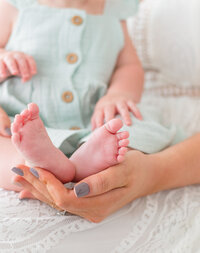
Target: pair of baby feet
<point>106,147</point>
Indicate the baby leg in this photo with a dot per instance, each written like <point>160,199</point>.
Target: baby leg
<point>9,157</point>
<point>30,138</point>
<point>106,147</point>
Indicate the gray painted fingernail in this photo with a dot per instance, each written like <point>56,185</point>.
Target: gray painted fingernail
<point>18,171</point>
<point>34,172</point>
<point>8,131</point>
<point>81,190</point>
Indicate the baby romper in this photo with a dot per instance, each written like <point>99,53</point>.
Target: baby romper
<point>76,54</point>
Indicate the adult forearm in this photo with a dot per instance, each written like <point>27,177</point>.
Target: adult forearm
<point>178,166</point>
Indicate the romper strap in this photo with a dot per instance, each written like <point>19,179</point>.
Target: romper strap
<point>21,4</point>
<point>121,9</point>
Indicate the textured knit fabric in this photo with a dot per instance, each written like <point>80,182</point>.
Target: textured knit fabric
<point>50,36</point>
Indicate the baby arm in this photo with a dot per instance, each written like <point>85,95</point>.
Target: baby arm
<point>12,63</point>
<point>125,88</point>
<point>4,124</point>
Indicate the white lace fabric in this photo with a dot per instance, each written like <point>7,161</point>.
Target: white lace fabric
<point>32,226</point>
<point>168,221</point>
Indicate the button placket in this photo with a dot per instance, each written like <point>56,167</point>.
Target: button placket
<point>73,59</point>
<point>77,20</point>
<point>67,96</point>
<point>75,128</point>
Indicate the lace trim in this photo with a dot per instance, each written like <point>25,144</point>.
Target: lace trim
<point>32,226</point>
<point>171,226</point>
<point>139,227</point>
<point>156,85</point>
<point>140,34</point>
<point>174,91</point>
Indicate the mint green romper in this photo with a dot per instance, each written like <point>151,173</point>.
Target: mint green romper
<point>76,54</point>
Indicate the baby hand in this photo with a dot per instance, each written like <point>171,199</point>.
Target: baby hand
<point>111,105</point>
<point>4,124</point>
<point>17,64</point>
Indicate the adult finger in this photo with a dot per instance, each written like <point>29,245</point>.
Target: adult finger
<point>102,182</point>
<point>109,112</point>
<point>62,197</point>
<point>133,108</point>
<point>25,194</point>
<point>124,112</point>
<point>32,177</point>
<point>30,188</point>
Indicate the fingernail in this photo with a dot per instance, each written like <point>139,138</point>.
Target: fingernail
<point>18,171</point>
<point>8,131</point>
<point>34,172</point>
<point>81,190</point>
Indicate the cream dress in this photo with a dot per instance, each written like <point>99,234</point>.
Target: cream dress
<point>166,34</point>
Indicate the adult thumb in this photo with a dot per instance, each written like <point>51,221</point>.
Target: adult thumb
<point>102,182</point>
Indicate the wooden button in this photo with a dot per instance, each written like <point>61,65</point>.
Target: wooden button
<point>72,58</point>
<point>77,20</point>
<point>75,128</point>
<point>67,96</point>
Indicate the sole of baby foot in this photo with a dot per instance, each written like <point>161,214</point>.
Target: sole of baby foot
<point>31,140</point>
<point>106,147</point>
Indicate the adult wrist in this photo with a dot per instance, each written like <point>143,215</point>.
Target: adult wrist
<point>154,170</point>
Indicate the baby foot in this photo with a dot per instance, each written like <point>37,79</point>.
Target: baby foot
<point>106,147</point>
<point>32,141</point>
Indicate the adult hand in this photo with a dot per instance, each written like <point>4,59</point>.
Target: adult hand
<point>110,189</point>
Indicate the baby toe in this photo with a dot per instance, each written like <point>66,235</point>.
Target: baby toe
<point>114,125</point>
<point>17,124</point>
<point>34,110</point>
<point>123,143</point>
<point>120,158</point>
<point>25,115</point>
<point>122,135</point>
<point>122,151</point>
<point>16,138</point>
<point>18,119</point>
